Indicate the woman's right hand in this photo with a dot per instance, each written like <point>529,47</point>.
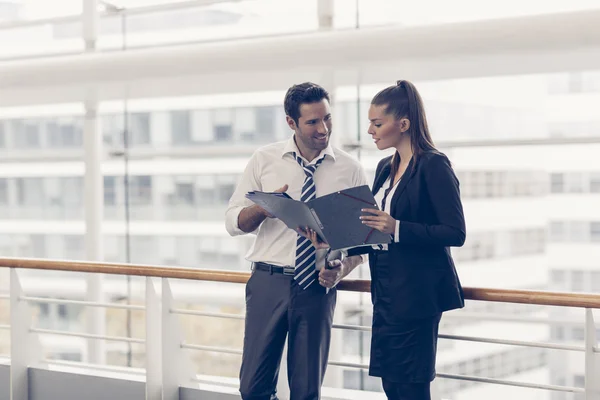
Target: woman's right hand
<point>313,237</point>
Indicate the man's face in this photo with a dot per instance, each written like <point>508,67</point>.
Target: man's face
<point>313,128</point>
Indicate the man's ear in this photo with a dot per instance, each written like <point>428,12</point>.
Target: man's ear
<point>291,123</point>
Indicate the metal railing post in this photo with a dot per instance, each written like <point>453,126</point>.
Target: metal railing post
<point>592,360</point>
<point>154,365</point>
<point>25,348</point>
<point>283,388</point>
<point>177,368</point>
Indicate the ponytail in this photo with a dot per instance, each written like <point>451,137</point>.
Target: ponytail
<point>403,101</point>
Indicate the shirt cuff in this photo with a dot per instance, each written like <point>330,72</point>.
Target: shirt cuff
<point>231,221</point>
<point>397,232</point>
<point>363,257</point>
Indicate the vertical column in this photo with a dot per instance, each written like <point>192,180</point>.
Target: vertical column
<point>93,196</point>
<point>325,14</point>
<point>90,24</point>
<point>94,204</point>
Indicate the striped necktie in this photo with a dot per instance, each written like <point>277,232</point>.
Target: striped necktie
<point>305,272</point>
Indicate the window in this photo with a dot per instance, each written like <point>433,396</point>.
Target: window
<point>110,195</point>
<point>38,246</point>
<point>181,127</point>
<point>574,182</point>
<point>71,191</point>
<point>144,249</point>
<point>223,121</point>
<point>205,191</point>
<point>577,281</point>
<point>595,182</point>
<point>265,124</point>
<point>4,191</point>
<point>557,183</point>
<point>26,134</point>
<point>245,124</point>
<point>202,128</point>
<point>140,190</point>
<point>579,381</point>
<point>2,135</point>
<point>575,82</point>
<point>185,248</point>
<point>139,129</point>
<point>579,231</point>
<point>64,132</point>
<point>223,133</point>
<point>30,191</point>
<point>558,231</point>
<point>74,243</point>
<point>558,279</point>
<point>595,231</point>
<point>184,192</point>
<point>112,129</point>
<point>558,333</point>
<point>225,188</point>
<point>595,281</point>
<point>62,311</point>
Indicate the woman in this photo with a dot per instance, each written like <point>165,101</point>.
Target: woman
<point>413,279</point>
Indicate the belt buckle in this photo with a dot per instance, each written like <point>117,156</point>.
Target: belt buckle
<point>287,270</point>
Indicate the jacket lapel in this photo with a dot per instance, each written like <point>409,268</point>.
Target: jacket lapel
<point>406,177</point>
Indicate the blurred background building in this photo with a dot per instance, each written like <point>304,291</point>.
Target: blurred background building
<point>523,137</point>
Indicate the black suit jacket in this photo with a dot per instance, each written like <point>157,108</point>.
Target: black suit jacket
<point>422,279</point>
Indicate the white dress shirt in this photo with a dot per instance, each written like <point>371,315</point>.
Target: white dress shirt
<point>387,207</point>
<point>270,168</point>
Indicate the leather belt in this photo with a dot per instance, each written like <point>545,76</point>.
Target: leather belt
<point>273,269</point>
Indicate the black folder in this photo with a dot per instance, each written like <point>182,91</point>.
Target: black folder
<point>335,217</point>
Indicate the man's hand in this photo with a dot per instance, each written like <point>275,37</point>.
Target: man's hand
<point>332,274</point>
<point>337,270</point>
<point>251,217</point>
<point>313,237</point>
<point>282,189</point>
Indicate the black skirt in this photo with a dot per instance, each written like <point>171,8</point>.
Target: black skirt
<point>402,350</point>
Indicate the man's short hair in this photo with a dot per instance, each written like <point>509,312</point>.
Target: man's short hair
<point>302,93</point>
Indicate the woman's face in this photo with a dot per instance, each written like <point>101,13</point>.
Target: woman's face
<point>385,130</point>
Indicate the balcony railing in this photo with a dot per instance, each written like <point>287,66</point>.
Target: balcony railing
<point>167,367</point>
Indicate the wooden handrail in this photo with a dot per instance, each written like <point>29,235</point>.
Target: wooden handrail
<point>559,299</point>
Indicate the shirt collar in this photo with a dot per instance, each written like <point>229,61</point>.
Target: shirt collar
<point>291,147</point>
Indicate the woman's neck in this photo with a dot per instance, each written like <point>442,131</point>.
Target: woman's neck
<point>405,152</point>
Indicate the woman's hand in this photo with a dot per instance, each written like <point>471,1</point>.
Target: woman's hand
<point>313,237</point>
<point>380,220</point>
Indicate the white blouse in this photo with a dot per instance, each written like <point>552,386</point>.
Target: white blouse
<point>386,207</point>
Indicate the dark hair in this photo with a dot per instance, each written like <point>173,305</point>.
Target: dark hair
<point>403,101</point>
<point>303,93</point>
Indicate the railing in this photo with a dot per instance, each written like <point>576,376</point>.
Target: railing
<point>167,367</point>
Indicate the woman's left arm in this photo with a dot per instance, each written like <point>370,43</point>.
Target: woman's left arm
<point>444,194</point>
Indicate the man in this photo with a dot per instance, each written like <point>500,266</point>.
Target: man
<point>286,294</point>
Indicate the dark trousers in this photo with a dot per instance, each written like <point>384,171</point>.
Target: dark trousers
<point>406,391</point>
<point>275,308</point>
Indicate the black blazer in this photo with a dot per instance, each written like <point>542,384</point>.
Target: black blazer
<point>422,279</point>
